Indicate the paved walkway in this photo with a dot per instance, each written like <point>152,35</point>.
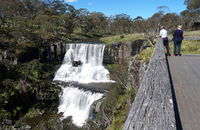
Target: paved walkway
<point>185,74</point>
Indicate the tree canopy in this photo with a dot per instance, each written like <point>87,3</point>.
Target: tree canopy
<point>39,21</point>
<point>192,4</point>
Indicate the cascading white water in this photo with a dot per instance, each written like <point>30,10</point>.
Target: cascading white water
<point>76,102</point>
<point>91,70</point>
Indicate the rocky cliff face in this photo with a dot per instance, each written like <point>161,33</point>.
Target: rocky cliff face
<point>136,70</point>
<point>52,52</point>
<point>114,53</point>
<point>24,53</point>
<point>120,52</point>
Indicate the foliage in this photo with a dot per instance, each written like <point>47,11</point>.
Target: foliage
<point>146,54</point>
<point>122,38</point>
<point>121,109</point>
<point>192,4</point>
<point>33,112</point>
<point>24,86</point>
<point>31,70</point>
<point>40,22</point>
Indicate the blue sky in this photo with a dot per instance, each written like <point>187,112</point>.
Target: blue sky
<point>134,8</point>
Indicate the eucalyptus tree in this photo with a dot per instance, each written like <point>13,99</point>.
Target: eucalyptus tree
<point>97,22</point>
<point>121,24</point>
<point>171,20</point>
<point>193,4</point>
<point>8,11</point>
<point>138,24</point>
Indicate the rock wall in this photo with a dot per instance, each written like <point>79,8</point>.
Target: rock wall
<point>121,51</point>
<point>114,53</point>
<point>52,52</point>
<point>118,53</point>
<point>44,53</point>
<point>136,71</point>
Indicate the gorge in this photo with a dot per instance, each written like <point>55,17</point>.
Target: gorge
<point>82,87</point>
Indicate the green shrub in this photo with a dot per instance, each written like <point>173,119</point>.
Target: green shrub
<point>146,54</point>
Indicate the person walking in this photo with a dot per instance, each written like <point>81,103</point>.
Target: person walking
<point>178,37</point>
<point>163,35</point>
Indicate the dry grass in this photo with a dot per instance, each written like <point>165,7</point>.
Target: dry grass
<point>192,33</point>
<point>146,54</point>
<point>122,38</point>
<point>188,47</point>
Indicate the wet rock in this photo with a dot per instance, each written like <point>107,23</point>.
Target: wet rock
<point>95,108</point>
<point>76,63</point>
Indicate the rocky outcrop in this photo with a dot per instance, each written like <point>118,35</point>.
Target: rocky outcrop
<point>52,52</point>
<point>25,53</point>
<point>153,107</point>
<point>121,51</point>
<point>136,71</point>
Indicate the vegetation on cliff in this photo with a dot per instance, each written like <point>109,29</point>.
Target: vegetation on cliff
<point>145,55</point>
<point>26,88</point>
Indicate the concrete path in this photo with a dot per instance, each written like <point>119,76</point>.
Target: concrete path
<point>185,74</point>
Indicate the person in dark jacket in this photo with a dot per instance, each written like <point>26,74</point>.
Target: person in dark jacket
<point>178,37</point>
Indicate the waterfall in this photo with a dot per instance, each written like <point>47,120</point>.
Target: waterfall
<point>91,70</point>
<point>76,102</point>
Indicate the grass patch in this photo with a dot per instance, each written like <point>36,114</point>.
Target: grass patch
<point>146,54</point>
<point>192,33</point>
<point>122,38</point>
<point>188,47</point>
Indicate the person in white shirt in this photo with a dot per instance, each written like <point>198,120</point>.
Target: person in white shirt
<point>163,35</point>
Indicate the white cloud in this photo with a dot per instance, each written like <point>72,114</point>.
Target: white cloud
<point>90,3</point>
<point>70,0</point>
